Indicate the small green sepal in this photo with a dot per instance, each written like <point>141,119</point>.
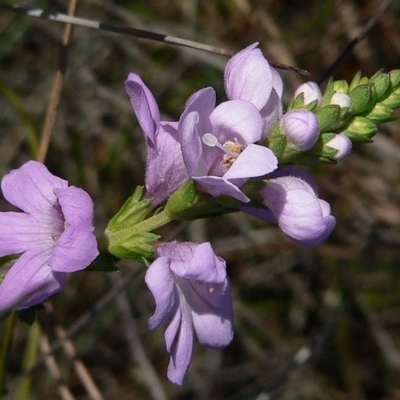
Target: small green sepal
<point>363,98</point>
<point>328,116</point>
<point>137,246</point>
<point>183,198</point>
<point>134,210</point>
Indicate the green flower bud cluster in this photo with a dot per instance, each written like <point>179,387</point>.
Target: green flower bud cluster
<point>353,109</point>
<point>129,233</point>
<point>373,101</point>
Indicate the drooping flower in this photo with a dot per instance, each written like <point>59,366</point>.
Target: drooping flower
<point>218,144</point>
<point>53,234</point>
<point>165,170</point>
<point>248,76</point>
<point>299,212</point>
<point>192,294</point>
<point>300,128</point>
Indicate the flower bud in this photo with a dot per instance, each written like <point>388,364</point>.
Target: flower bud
<point>342,144</point>
<point>395,78</point>
<point>341,86</point>
<point>363,98</point>
<point>360,130</point>
<point>382,84</point>
<point>299,212</point>
<point>393,101</point>
<point>124,241</point>
<point>310,91</point>
<point>301,128</point>
<point>380,113</point>
<point>341,99</point>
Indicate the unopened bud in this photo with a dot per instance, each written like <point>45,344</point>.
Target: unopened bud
<point>301,128</point>
<point>311,93</point>
<point>363,98</point>
<point>360,130</point>
<point>380,113</point>
<point>341,99</point>
<point>342,144</point>
<point>382,84</point>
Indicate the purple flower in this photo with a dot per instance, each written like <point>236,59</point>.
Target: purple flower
<point>300,128</point>
<point>53,234</point>
<point>165,168</point>
<point>192,293</point>
<point>218,144</point>
<point>249,77</point>
<point>299,212</point>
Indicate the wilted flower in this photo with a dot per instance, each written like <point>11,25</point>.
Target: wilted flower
<point>192,293</point>
<point>53,234</point>
<point>165,168</point>
<point>299,212</point>
<point>300,128</point>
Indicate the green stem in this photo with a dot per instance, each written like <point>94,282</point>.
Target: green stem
<point>148,225</point>
<point>30,357</point>
<point>5,350</point>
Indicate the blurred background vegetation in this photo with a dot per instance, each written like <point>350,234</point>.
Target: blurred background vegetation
<point>320,323</point>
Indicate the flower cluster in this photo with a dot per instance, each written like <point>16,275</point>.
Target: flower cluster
<point>238,155</point>
<point>235,156</point>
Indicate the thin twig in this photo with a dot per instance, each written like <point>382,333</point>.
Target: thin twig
<point>56,89</point>
<point>136,349</point>
<point>137,33</point>
<point>54,370</point>
<point>348,49</point>
<point>84,320</point>
<point>80,368</point>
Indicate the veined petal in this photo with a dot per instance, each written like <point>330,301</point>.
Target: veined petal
<point>212,315</point>
<point>75,249</point>
<point>30,281</point>
<point>191,143</point>
<point>248,77</point>
<point>277,82</point>
<point>201,264</point>
<point>271,112</point>
<point>203,102</point>
<point>76,206</point>
<point>299,211</point>
<point>31,189</point>
<point>217,186</point>
<point>21,232</point>
<point>144,105</point>
<point>181,349</point>
<point>237,119</point>
<point>254,161</point>
<point>161,284</point>
<point>166,170</point>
